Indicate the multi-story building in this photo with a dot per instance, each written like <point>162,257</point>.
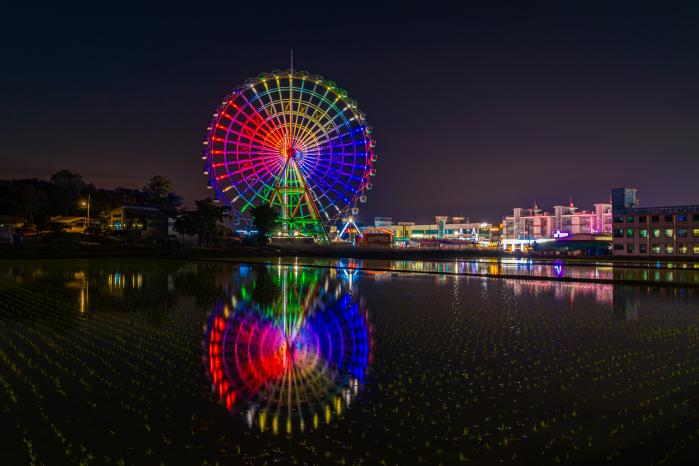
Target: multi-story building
<point>533,224</point>
<point>653,231</point>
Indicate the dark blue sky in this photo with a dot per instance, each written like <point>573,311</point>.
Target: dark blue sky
<point>475,110</point>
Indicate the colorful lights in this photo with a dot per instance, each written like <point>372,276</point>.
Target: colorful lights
<point>292,346</point>
<point>297,143</point>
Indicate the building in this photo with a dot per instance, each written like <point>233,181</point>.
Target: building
<point>381,237</point>
<point>147,222</point>
<point>534,224</point>
<point>653,231</point>
<point>73,224</point>
<point>11,229</point>
<point>446,231</point>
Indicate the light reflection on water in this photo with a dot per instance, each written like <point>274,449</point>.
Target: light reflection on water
<point>123,283</point>
<point>290,348</point>
<point>477,367</point>
<point>632,272</point>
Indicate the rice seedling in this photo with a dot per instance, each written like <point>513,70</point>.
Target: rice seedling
<point>108,362</point>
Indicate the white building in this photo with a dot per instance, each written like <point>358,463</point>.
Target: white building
<point>457,229</point>
<point>532,224</point>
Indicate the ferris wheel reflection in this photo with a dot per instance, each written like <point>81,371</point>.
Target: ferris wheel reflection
<point>290,349</point>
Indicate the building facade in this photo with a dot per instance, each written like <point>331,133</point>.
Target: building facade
<point>533,224</point>
<point>445,229</point>
<point>147,222</point>
<point>653,231</point>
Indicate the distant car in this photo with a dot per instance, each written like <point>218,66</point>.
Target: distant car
<point>232,240</point>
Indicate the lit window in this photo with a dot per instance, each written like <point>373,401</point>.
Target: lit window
<point>695,232</point>
<point>643,233</point>
<point>682,248</point>
<point>656,232</point>
<point>655,249</point>
<point>682,217</point>
<point>629,232</point>
<point>668,232</point>
<point>682,232</point>
<point>695,249</point>
<point>669,249</point>
<point>629,219</point>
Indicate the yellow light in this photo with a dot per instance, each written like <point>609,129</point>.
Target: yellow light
<point>262,420</point>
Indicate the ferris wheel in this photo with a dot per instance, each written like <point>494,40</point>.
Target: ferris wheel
<point>294,141</point>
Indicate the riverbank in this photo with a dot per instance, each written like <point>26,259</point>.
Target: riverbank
<point>336,251</point>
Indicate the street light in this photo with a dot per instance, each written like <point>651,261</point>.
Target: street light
<point>86,204</point>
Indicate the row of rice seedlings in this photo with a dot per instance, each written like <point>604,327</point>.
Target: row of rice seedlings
<point>533,371</point>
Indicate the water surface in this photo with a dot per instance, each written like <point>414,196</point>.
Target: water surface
<point>144,362</point>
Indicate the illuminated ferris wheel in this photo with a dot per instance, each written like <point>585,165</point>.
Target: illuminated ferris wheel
<point>294,141</point>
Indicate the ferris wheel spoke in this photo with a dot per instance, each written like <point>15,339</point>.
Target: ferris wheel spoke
<point>254,168</point>
<point>313,124</point>
<point>332,188</point>
<point>250,124</point>
<point>265,121</point>
<point>337,164</point>
<point>275,113</point>
<point>323,128</point>
<point>255,193</point>
<point>331,124</point>
<point>287,128</point>
<point>351,192</point>
<point>316,108</point>
<point>318,119</point>
<point>249,136</point>
<point>337,172</point>
<point>338,134</point>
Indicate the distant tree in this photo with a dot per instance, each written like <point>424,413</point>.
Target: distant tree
<point>203,221</point>
<point>68,180</point>
<point>67,188</point>
<point>159,193</point>
<point>264,218</point>
<point>186,223</point>
<point>209,215</point>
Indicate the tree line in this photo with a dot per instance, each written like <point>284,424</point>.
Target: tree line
<point>37,201</point>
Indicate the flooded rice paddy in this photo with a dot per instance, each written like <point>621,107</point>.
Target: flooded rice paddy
<point>347,362</point>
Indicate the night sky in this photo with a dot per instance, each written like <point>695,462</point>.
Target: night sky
<point>474,111</point>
